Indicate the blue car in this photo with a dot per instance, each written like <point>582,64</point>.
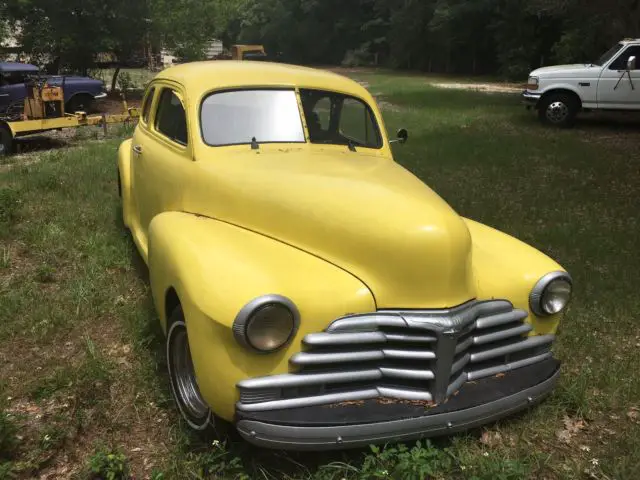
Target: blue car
<point>79,92</point>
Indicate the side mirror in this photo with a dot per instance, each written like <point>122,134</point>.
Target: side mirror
<point>631,63</point>
<point>402,136</point>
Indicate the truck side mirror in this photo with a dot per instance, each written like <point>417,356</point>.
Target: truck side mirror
<point>631,63</point>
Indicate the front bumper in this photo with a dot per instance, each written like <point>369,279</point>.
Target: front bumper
<point>354,424</point>
<point>530,99</point>
<point>100,96</point>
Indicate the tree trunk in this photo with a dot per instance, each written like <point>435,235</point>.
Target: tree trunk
<point>114,79</point>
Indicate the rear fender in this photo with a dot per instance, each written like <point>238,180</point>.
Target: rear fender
<point>216,268</point>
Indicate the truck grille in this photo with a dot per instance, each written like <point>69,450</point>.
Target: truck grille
<point>415,355</point>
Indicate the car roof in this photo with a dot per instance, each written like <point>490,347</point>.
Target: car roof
<point>17,67</point>
<point>199,78</point>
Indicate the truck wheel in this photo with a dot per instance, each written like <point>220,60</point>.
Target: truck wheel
<point>79,103</point>
<point>6,141</point>
<point>558,109</point>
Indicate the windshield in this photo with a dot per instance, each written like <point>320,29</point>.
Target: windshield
<point>237,117</point>
<point>607,56</point>
<point>335,118</point>
<point>272,116</point>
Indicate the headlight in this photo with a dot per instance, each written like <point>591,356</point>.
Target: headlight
<point>551,294</point>
<point>532,83</point>
<point>266,323</point>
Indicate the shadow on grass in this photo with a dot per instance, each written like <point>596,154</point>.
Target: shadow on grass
<point>38,143</point>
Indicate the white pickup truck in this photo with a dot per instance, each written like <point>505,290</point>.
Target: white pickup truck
<point>559,92</point>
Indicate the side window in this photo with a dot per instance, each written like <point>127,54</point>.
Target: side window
<point>171,120</point>
<point>322,110</point>
<point>620,63</point>
<point>356,123</point>
<point>146,107</point>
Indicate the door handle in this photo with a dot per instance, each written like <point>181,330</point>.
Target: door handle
<point>137,149</point>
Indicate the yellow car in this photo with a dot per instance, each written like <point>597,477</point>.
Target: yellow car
<point>314,293</point>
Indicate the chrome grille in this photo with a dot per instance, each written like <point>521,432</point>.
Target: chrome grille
<point>411,355</point>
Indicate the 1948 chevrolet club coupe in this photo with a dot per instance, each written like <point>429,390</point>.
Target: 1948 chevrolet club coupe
<point>314,292</point>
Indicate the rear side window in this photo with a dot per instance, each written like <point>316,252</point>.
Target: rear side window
<point>171,120</point>
<point>146,108</point>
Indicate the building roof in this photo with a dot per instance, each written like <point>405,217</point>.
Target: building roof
<point>17,67</point>
<point>199,78</point>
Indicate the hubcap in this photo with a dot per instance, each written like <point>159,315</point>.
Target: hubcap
<point>185,380</point>
<point>557,112</point>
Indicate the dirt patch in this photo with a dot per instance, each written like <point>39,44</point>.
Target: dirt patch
<point>482,87</point>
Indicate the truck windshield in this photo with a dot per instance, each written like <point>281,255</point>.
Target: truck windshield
<point>608,54</point>
<point>272,116</point>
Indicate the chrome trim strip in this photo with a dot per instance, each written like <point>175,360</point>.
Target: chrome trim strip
<point>462,346</point>
<point>530,342</point>
<point>407,373</point>
<point>460,363</point>
<point>309,401</point>
<point>502,334</point>
<point>487,372</point>
<point>367,322</point>
<point>100,96</point>
<point>308,358</point>
<point>501,318</point>
<point>404,394</point>
<point>293,437</point>
<point>456,384</point>
<point>349,338</point>
<point>299,380</point>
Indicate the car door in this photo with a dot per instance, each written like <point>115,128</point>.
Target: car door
<point>617,88</point>
<point>161,158</point>
<point>12,90</point>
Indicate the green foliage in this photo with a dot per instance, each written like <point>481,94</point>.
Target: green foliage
<point>108,465</point>
<point>402,462</point>
<point>9,206</point>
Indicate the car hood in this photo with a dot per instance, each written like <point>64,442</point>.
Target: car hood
<point>365,214</point>
<point>577,69</point>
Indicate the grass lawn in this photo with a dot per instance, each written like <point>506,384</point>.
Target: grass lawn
<point>82,377</point>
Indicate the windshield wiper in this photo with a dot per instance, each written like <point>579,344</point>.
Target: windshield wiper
<point>254,144</point>
<point>352,145</point>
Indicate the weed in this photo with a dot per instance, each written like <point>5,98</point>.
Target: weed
<point>108,465</point>
<point>9,206</point>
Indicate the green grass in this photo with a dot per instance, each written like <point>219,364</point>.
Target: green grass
<point>82,360</point>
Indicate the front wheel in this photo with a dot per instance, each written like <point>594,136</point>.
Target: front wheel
<point>558,109</point>
<point>184,386</point>
<point>79,103</point>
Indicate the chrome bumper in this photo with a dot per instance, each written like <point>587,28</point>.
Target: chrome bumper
<point>530,99</point>
<point>481,403</point>
<point>100,96</point>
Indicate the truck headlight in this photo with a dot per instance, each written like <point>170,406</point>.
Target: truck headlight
<point>266,323</point>
<point>532,83</point>
<point>551,294</point>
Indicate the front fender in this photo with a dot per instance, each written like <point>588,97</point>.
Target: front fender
<point>505,267</point>
<point>124,172</point>
<point>561,85</point>
<point>216,268</point>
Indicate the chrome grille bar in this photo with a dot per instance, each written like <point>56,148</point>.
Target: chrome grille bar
<point>530,342</point>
